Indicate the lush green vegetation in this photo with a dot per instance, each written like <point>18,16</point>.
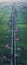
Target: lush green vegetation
<point>21,22</point>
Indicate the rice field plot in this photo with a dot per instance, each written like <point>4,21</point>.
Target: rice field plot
<point>4,18</point>
<point>22,24</point>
